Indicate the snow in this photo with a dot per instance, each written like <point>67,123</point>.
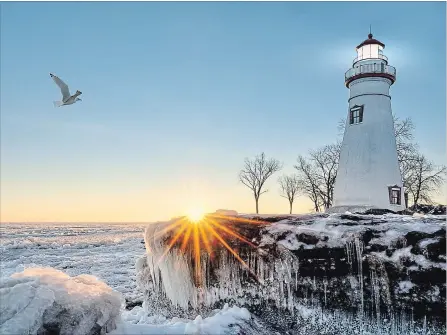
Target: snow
<point>405,253</point>
<point>424,243</point>
<point>418,215</point>
<point>142,329</point>
<point>45,295</point>
<point>405,286</point>
<point>331,231</point>
<point>217,324</point>
<point>23,305</point>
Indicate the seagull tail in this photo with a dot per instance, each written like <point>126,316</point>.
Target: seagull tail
<point>57,103</point>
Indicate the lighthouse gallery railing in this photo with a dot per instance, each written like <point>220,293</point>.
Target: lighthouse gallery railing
<point>370,68</point>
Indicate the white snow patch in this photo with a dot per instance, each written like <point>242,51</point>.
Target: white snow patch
<point>23,302</point>
<point>418,215</point>
<point>434,293</point>
<point>219,323</point>
<point>424,243</point>
<point>391,227</point>
<point>405,286</point>
<point>405,253</point>
<point>136,322</point>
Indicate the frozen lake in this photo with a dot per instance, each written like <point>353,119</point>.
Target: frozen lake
<point>105,250</point>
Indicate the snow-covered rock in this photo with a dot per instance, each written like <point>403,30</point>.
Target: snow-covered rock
<point>226,212</point>
<point>48,301</point>
<point>359,269</point>
<point>429,209</point>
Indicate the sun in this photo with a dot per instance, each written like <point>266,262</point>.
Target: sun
<point>195,215</point>
<point>201,233</point>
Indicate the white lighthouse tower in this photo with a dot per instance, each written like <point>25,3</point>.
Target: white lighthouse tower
<point>368,175</point>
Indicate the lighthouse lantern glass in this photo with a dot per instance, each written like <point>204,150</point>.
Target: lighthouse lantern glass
<point>369,51</point>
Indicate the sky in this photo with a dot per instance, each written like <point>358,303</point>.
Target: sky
<point>177,94</point>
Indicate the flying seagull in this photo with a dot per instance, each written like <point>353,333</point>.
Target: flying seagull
<point>67,99</point>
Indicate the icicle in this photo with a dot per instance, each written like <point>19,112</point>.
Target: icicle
<point>289,299</point>
<point>359,254</point>
<point>296,279</point>
<point>375,290</point>
<point>424,327</point>
<point>348,254</point>
<point>325,290</point>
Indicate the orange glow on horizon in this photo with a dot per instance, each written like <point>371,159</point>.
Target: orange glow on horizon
<point>56,202</point>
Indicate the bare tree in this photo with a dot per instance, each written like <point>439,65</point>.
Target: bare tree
<point>325,162</point>
<point>309,182</point>
<point>318,173</point>
<point>423,178</point>
<point>289,188</point>
<point>256,172</point>
<point>406,149</point>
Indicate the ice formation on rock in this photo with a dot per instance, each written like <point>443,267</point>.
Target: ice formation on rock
<point>312,273</point>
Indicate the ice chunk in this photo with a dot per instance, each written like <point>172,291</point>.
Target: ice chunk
<point>46,299</point>
<point>23,303</point>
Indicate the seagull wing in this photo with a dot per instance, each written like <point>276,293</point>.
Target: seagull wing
<point>64,88</point>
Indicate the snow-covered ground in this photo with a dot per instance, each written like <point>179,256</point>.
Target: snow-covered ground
<point>222,322</point>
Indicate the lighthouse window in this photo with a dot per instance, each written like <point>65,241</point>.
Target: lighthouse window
<point>356,115</point>
<point>395,196</point>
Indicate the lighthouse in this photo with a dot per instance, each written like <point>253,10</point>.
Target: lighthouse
<point>368,174</point>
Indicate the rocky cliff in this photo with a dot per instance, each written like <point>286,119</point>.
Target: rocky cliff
<point>302,274</point>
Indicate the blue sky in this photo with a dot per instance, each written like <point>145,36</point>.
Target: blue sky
<point>176,94</point>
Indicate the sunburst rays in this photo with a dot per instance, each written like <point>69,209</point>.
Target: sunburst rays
<point>202,236</point>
